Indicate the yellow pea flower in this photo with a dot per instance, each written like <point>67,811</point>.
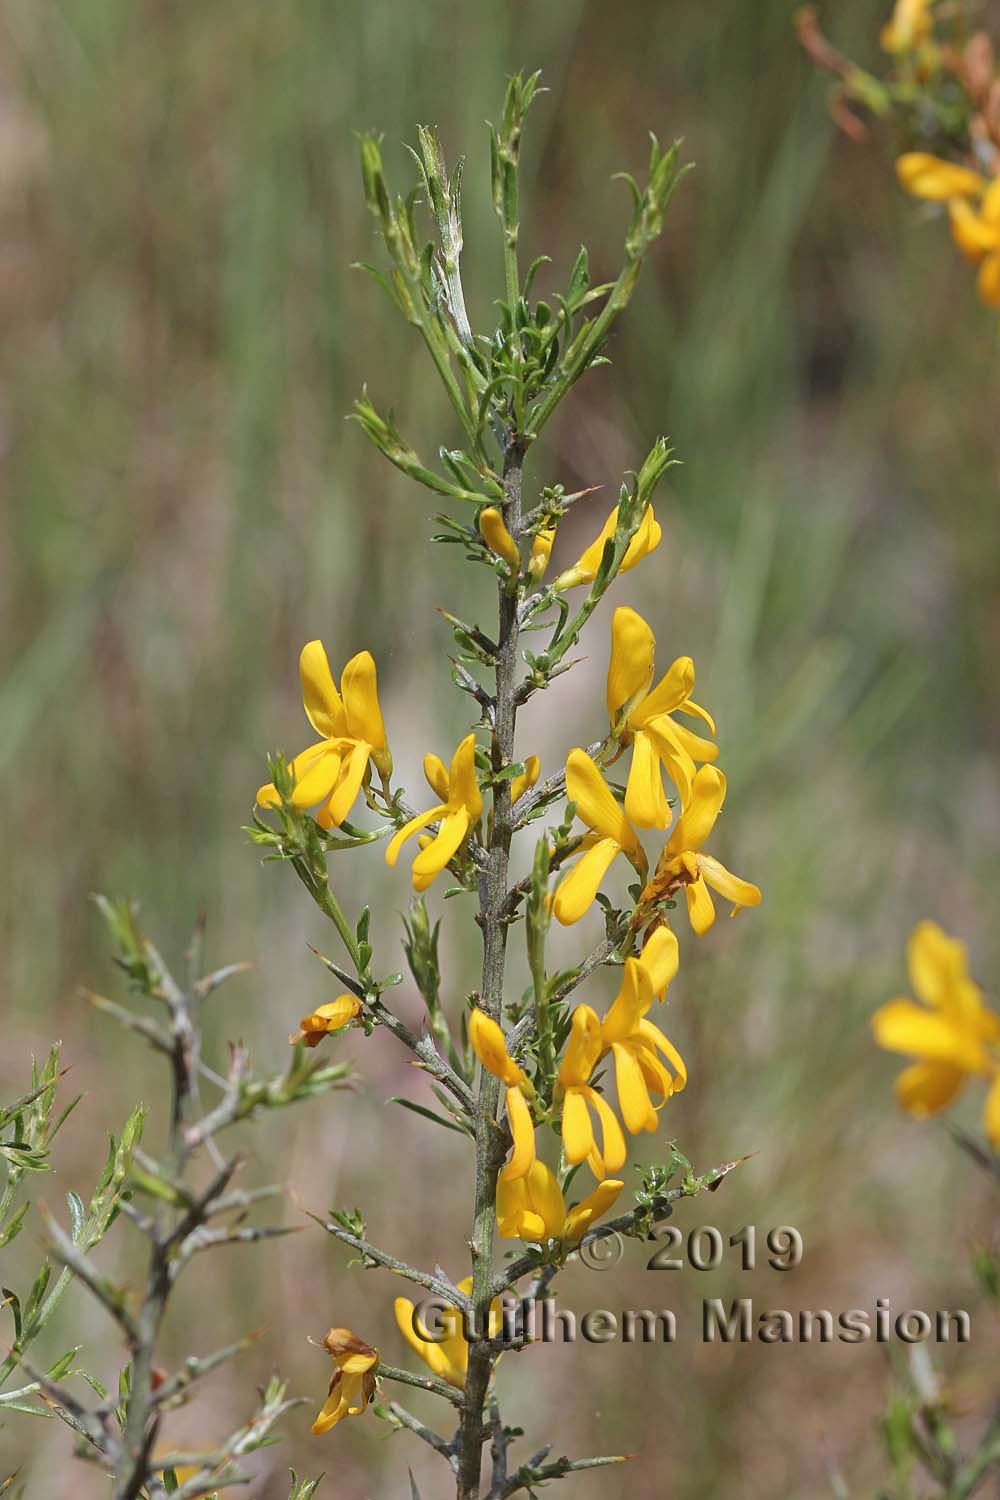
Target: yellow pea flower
<point>353,1383</point>
<point>350,723</point>
<point>533,1208</point>
<point>498,538</point>
<point>446,1352</point>
<point>642,717</point>
<point>579,1099</point>
<point>487,1041</point>
<point>977,235</point>
<point>524,782</point>
<point>634,1042</point>
<point>932,178</point>
<point>952,1034</point>
<point>459,810</point>
<point>333,1016</point>
<point>541,549</point>
<point>683,864</point>
<point>645,541</point>
<point>911,24</point>
<point>611,834</point>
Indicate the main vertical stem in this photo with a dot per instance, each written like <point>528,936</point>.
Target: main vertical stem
<point>493,890</point>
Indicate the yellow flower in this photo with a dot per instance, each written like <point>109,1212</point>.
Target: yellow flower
<point>910,25</point>
<point>353,1383</point>
<point>446,1352</point>
<point>498,538</point>
<point>533,1208</point>
<point>927,176</point>
<point>611,834</point>
<point>634,1042</point>
<point>977,235</point>
<point>661,959</point>
<point>953,1035</point>
<point>645,541</point>
<point>541,549</point>
<point>488,1044</point>
<point>333,1016</point>
<point>350,722</point>
<point>642,717</point>
<point>580,1098</point>
<point>683,864</point>
<point>524,782</point>
<point>459,810</point>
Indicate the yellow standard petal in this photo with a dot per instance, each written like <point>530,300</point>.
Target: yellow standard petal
<point>575,893</point>
<point>320,698</point>
<point>630,671</point>
<point>660,958</point>
<point>359,685</point>
<point>593,1207</point>
<point>333,1016</point>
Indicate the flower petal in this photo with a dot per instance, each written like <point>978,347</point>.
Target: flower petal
<point>436,776</point>
<point>488,1043</point>
<point>652,1035</point>
<point>523,1131</point>
<point>708,793</point>
<point>926,1088</point>
<point>574,895</point>
<point>904,1027</point>
<point>672,690</point>
<point>577,1130</point>
<point>729,886</point>
<point>408,830</point>
<point>634,998</point>
<point>583,1048</point>
<point>359,684</point>
<point>613,1147</point>
<point>463,788</point>
<point>315,775</point>
<point>345,793</point>
<point>630,672</point>
<point>927,176</point>
<point>701,910</point>
<point>595,1206</point>
<point>633,1096</point>
<point>660,958</point>
<point>595,804</point>
<point>320,698</point>
<point>645,800</point>
<point>432,860</point>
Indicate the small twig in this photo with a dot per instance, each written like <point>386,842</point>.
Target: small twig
<point>432,1439</point>
<point>420,1382</point>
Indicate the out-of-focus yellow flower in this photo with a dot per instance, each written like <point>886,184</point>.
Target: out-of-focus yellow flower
<point>643,718</point>
<point>634,1042</point>
<point>911,24</point>
<point>459,810</point>
<point>488,1044</point>
<point>533,1208</point>
<point>350,722</point>
<point>611,834</point>
<point>977,235</point>
<point>975,229</point>
<point>952,1034</point>
<point>579,1098</point>
<point>498,538</point>
<point>683,864</point>
<point>541,549</point>
<point>930,177</point>
<point>645,541</point>
<point>446,1351</point>
<point>353,1383</point>
<point>524,782</point>
<point>333,1016</point>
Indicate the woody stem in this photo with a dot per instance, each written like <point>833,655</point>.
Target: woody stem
<point>492,918</point>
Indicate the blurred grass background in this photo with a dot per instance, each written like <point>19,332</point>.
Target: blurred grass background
<point>185,505</point>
